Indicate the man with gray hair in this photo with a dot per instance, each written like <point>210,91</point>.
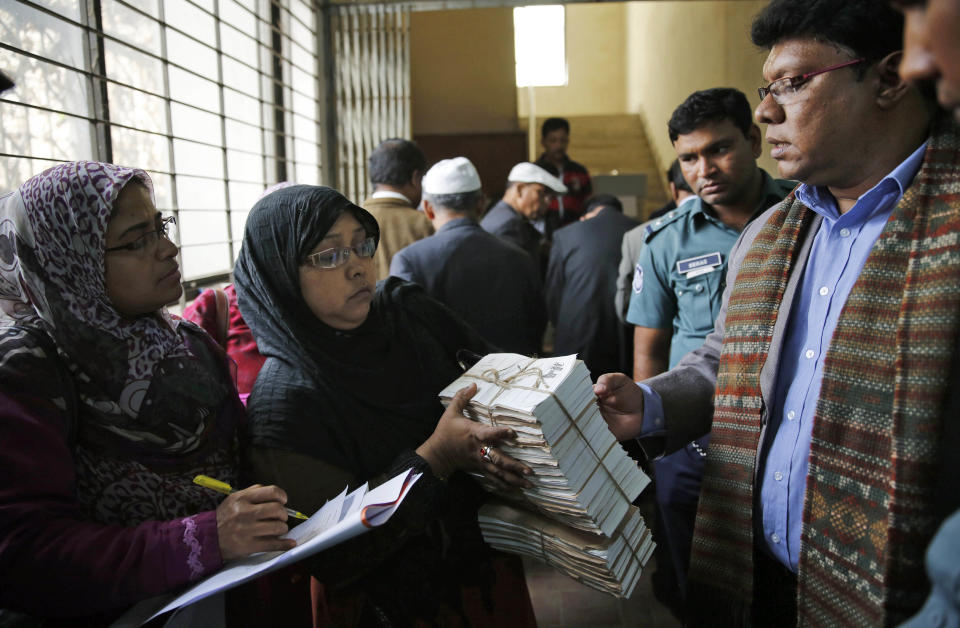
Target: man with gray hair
<point>526,199</point>
<point>493,284</point>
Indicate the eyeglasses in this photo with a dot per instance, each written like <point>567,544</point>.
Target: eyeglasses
<point>332,258</point>
<point>148,240</point>
<point>783,89</point>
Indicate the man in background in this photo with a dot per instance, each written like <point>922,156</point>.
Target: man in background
<point>679,277</point>
<point>568,207</point>
<point>529,188</point>
<point>680,193</point>
<point>580,280</point>
<point>396,168</point>
<point>491,283</point>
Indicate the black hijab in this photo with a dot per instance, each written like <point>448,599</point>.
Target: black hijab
<point>353,399</point>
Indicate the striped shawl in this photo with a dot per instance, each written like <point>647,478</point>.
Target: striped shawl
<point>875,452</point>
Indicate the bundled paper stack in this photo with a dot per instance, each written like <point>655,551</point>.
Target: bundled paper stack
<point>612,565</point>
<point>582,477</point>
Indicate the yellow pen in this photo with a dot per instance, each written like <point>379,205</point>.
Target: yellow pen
<point>222,487</point>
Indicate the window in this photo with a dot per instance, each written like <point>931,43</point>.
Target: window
<point>216,99</point>
<point>540,44</point>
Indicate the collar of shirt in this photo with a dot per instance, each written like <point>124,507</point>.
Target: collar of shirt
<point>773,193</point>
<point>391,194</point>
<point>465,221</point>
<point>881,197</point>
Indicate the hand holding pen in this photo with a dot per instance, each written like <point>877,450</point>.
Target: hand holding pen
<point>252,520</point>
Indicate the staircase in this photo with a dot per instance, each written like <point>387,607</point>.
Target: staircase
<point>615,144</point>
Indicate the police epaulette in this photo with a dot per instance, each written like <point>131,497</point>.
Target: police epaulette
<point>660,223</point>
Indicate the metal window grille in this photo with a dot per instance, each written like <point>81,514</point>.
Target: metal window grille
<point>216,99</point>
<point>371,45</point>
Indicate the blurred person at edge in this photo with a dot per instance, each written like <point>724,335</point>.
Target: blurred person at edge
<point>931,54</point>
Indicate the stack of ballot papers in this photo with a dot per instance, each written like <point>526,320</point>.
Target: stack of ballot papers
<point>582,477</point>
<point>609,564</point>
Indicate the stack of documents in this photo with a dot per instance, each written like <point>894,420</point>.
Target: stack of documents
<point>611,565</point>
<point>583,481</point>
<point>582,476</point>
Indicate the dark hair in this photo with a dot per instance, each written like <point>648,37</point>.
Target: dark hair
<point>394,161</point>
<point>868,28</point>
<point>552,124</point>
<point>675,176</point>
<point>711,105</point>
<point>460,203</point>
<point>603,200</point>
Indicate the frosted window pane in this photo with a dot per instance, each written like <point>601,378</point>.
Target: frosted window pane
<point>41,34</point>
<point>197,159</point>
<point>194,90</point>
<point>238,221</point>
<point>44,134</point>
<point>244,195</point>
<point>16,170</point>
<point>140,150</point>
<point>234,14</point>
<point>241,107</point>
<point>131,67</point>
<point>189,19</point>
<point>308,174</point>
<point>128,25</point>
<point>243,137</point>
<point>209,259</point>
<point>244,166</point>
<point>190,123</point>
<point>162,191</point>
<point>46,85</point>
<point>202,227</point>
<point>194,193</point>
<point>190,54</point>
<point>239,76</point>
<point>136,109</point>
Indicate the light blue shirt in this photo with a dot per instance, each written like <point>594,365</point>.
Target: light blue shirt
<point>839,251</point>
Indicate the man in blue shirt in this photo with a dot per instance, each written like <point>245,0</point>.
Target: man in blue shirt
<point>679,278</point>
<point>820,443</point>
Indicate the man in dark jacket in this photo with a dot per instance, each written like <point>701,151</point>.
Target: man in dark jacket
<point>581,280</point>
<point>491,283</point>
<point>528,193</point>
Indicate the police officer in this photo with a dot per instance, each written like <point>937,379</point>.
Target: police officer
<point>679,275</point>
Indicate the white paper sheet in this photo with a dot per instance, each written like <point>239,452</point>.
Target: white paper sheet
<point>340,519</point>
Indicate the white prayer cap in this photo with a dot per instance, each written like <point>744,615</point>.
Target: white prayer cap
<point>526,172</point>
<point>451,176</point>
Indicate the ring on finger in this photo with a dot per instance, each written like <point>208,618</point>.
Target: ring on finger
<point>485,454</point>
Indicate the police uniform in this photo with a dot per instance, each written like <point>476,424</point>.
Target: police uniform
<point>678,283</point>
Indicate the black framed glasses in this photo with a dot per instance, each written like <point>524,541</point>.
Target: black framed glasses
<point>332,258</point>
<point>783,89</point>
<point>148,240</point>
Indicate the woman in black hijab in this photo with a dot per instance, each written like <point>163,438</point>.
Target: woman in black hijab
<point>348,394</point>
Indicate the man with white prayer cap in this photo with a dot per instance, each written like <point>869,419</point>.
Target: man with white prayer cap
<point>529,188</point>
<point>493,284</point>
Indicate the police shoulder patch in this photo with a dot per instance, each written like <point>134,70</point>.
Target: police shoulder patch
<point>638,279</point>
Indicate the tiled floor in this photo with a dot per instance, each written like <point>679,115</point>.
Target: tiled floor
<point>562,602</point>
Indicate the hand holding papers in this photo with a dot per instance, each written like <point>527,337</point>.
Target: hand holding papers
<point>582,477</point>
<point>340,519</point>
